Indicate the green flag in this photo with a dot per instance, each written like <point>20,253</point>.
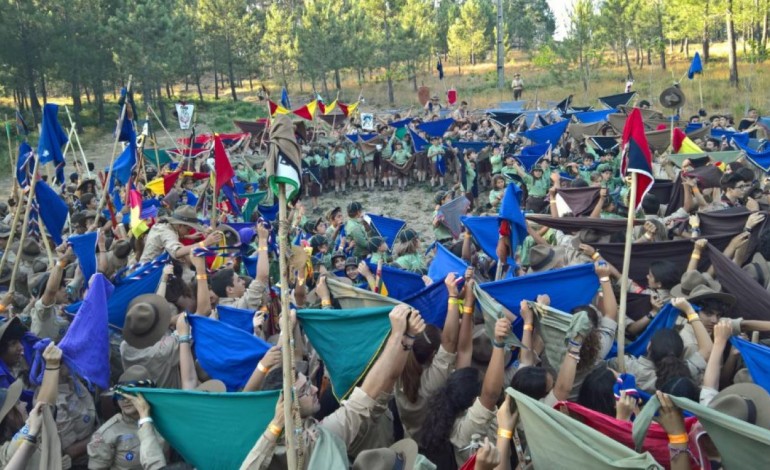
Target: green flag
<point>557,441</point>
<point>253,200</point>
<point>211,431</point>
<point>348,342</point>
<point>351,297</point>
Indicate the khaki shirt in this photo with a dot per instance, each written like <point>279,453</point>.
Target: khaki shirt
<point>643,369</point>
<point>161,360</point>
<point>352,417</point>
<point>46,323</point>
<point>477,420</point>
<point>75,413</point>
<point>118,445</point>
<point>252,299</point>
<point>433,378</point>
<point>162,236</point>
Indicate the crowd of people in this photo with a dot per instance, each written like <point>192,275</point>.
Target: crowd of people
<point>463,391</point>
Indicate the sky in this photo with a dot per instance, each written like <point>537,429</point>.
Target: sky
<point>560,10</point>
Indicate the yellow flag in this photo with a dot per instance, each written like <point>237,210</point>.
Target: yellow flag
<point>157,186</point>
<point>352,107</point>
<point>331,107</point>
<point>311,107</point>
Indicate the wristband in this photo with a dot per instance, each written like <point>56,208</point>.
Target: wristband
<point>326,303</point>
<point>202,277</point>
<point>604,279</point>
<point>53,368</point>
<point>574,356</point>
<point>648,235</point>
<point>528,327</point>
<point>694,256</point>
<point>31,438</point>
<point>455,301</point>
<point>693,317</point>
<point>262,248</point>
<point>184,339</point>
<point>497,344</point>
<point>262,368</point>
<point>595,256</point>
<point>696,190</point>
<point>62,264</point>
<point>202,245</point>
<point>552,202</point>
<point>678,438</point>
<point>467,235</point>
<point>467,310</point>
<point>274,430</point>
<point>2,308</point>
<point>505,433</point>
<point>144,421</point>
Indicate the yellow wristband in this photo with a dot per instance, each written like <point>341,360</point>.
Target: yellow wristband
<point>262,368</point>
<point>467,235</point>
<point>326,303</point>
<point>552,202</point>
<point>201,277</point>
<point>505,433</point>
<point>678,439</point>
<point>274,430</point>
<point>694,256</point>
<point>604,279</point>
<point>202,245</point>
<point>529,327</point>
<point>457,302</point>
<point>693,317</point>
<point>262,248</point>
<point>467,310</point>
<point>2,308</point>
<point>595,256</point>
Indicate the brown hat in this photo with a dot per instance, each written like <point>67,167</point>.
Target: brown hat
<point>690,280</point>
<point>212,386</point>
<point>704,292</point>
<point>133,374</point>
<point>589,237</point>
<point>147,320</point>
<point>543,258</point>
<point>5,230</point>
<point>30,249</point>
<point>186,215</point>
<point>172,198</point>
<point>759,270</point>
<point>747,402</point>
<point>401,455</point>
<point>9,397</point>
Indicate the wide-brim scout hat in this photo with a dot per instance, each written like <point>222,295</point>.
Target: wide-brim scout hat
<point>9,397</point>
<point>703,292</point>
<point>147,320</point>
<point>401,455</point>
<point>745,401</point>
<point>30,250</point>
<point>186,215</point>
<point>692,279</point>
<point>543,258</point>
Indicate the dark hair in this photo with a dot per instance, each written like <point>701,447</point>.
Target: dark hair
<point>457,395</point>
<point>666,272</point>
<point>746,174</point>
<point>730,181</point>
<point>221,280</point>
<point>532,381</point>
<point>666,349</point>
<point>274,379</point>
<point>86,198</point>
<point>592,345</point>
<point>596,392</point>
<point>423,349</point>
<point>714,305</point>
<point>682,386</point>
<point>650,204</point>
<point>579,183</point>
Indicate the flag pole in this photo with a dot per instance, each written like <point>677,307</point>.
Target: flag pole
<point>106,187</point>
<point>286,341</point>
<point>74,131</point>
<point>24,224</point>
<point>700,89</point>
<point>10,154</point>
<point>621,338</point>
<point>14,223</point>
<point>46,242</point>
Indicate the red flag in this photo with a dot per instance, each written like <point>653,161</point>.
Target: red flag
<point>637,157</point>
<point>169,181</point>
<point>321,106</point>
<point>224,171</point>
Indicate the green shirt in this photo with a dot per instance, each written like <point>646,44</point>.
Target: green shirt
<point>440,231</point>
<point>376,257</point>
<point>339,159</point>
<point>355,230</point>
<point>435,151</point>
<point>411,262</point>
<point>470,177</point>
<point>497,163</point>
<point>537,187</point>
<point>400,157</point>
<point>494,194</point>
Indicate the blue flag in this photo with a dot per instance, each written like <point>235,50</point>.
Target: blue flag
<point>401,123</point>
<point>236,317</point>
<point>418,143</point>
<point>226,353</point>
<point>695,66</point>
<point>485,231</point>
<point>532,154</point>
<point>285,102</point>
<point>401,284</point>
<point>53,210</point>
<point>347,341</point>
<point>548,134</point>
<point>436,128</point>
<point>52,139</point>
<point>445,262</point>
<point>432,302</point>
<point>589,117</point>
<point>84,247</point>
<point>25,165</point>
<point>613,101</point>
<point>124,164</point>
<point>250,264</point>
<point>387,227</point>
<point>510,212</point>
<point>664,319</point>
<point>757,359</point>
<point>759,158</point>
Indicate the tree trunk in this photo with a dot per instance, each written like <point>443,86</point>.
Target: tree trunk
<point>706,36</point>
<point>88,95</point>
<point>161,105</point>
<point>168,90</point>
<point>414,76</point>
<point>337,82</point>
<point>326,87</point>
<point>687,48</point>
<point>43,88</point>
<point>231,71</point>
<point>216,83</point>
<point>649,56</point>
<point>625,56</point>
<point>732,59</point>
<point>99,97</point>
<point>77,104</point>
<point>251,83</point>
<point>661,38</point>
<point>360,76</point>
<point>198,86</point>
<point>764,28</point>
<point>33,101</point>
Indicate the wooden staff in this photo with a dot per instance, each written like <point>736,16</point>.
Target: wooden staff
<point>621,338</point>
<point>24,224</point>
<point>14,223</point>
<point>106,186</point>
<point>10,155</point>
<point>74,131</point>
<point>44,236</point>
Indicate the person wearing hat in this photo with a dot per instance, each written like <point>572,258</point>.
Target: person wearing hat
<point>30,251</point>
<point>335,231</point>
<point>437,157</point>
<point>402,455</point>
<point>338,263</point>
<point>320,246</point>
<point>313,179</point>
<point>378,249</point>
<point>352,422</point>
<point>357,230</point>
<point>517,85</point>
<point>114,258</point>
<point>545,258</point>
<point>432,107</point>
<point>147,341</point>
<point>168,233</point>
<point>440,232</point>
<point>231,288</point>
<point>117,444</point>
<point>407,253</point>
<point>47,316</point>
<point>358,274</point>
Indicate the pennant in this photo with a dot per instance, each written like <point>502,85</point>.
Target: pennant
<point>387,227</point>
<point>452,211</point>
<point>683,144</point>
<point>284,158</point>
<point>329,108</point>
<point>52,139</point>
<point>192,422</point>
<point>156,186</point>
<point>347,342</point>
<point>137,224</point>
<point>418,143</point>
<point>225,352</point>
<point>637,157</point>
<point>25,165</point>
<point>440,69</point>
<point>436,128</point>
<point>53,210</point>
<point>229,193</point>
<point>252,201</point>
<point>236,317</point>
<point>347,109</point>
<point>275,109</point>
<point>695,66</point>
<point>307,111</point>
<point>222,168</point>
<point>84,247</point>
<point>445,262</point>
<point>613,101</point>
<point>549,134</point>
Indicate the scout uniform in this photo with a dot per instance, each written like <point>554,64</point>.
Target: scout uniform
<point>116,445</point>
<point>356,230</point>
<point>412,262</point>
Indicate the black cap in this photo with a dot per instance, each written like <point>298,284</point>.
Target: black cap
<point>354,208</point>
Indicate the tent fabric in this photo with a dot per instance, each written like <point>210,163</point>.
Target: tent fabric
<point>666,318</point>
<point>555,439</point>
<point>236,317</point>
<point>53,210</point>
<point>225,352</point>
<point>548,134</point>
<point>753,301</point>
<point>387,227</point>
<point>740,444</point>
<point>348,341</point>
<point>581,200</point>
<point>192,423</point>
<point>757,359</point>
<point>485,231</point>
<point>452,212</point>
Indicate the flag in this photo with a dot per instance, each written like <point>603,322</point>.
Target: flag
<point>157,187</point>
<point>513,225</point>
<point>327,109</point>
<point>124,164</point>
<point>695,66</point>
<point>531,155</point>
<point>348,109</point>
<point>549,134</point>
<point>307,111</point>
<point>347,341</point>
<point>138,226</point>
<point>284,157</point>
<point>637,157</point>
<point>285,102</point>
<point>613,101</point>
<point>53,210</point>
<point>440,68</point>
<point>759,158</point>
<point>436,128</point>
<point>401,283</point>
<point>418,143</point>
<point>222,168</point>
<point>236,317</point>
<point>275,108</point>
<point>25,165</point>
<point>445,262</point>
<point>225,352</point>
<point>683,144</point>
<point>192,423</point>
<point>52,139</point>
<point>84,247</point>
<point>387,227</point>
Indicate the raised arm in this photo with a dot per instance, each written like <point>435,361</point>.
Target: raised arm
<point>609,302</point>
<point>701,335</point>
<point>527,354</point>
<point>566,377</point>
<point>465,339</point>
<point>449,335</point>
<point>49,389</point>
<point>186,360</point>
<point>493,378</point>
<point>722,332</point>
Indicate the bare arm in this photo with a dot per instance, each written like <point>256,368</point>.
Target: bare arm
<point>527,354</point>
<point>493,378</point>
<point>722,333</point>
<point>701,335</point>
<point>263,262</point>
<point>609,302</point>
<point>102,257</point>
<point>49,389</point>
<point>566,377</point>
<point>54,279</point>
<point>465,340</point>
<point>449,335</point>
<point>186,361</point>
<point>272,358</point>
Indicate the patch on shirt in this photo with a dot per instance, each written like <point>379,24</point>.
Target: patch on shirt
<point>86,418</point>
<point>129,456</point>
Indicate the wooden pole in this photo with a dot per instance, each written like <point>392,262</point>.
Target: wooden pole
<point>621,338</point>
<point>46,242</point>
<point>24,224</point>
<point>74,131</point>
<point>10,155</point>
<point>14,222</point>
<point>106,185</point>
<point>288,366</point>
